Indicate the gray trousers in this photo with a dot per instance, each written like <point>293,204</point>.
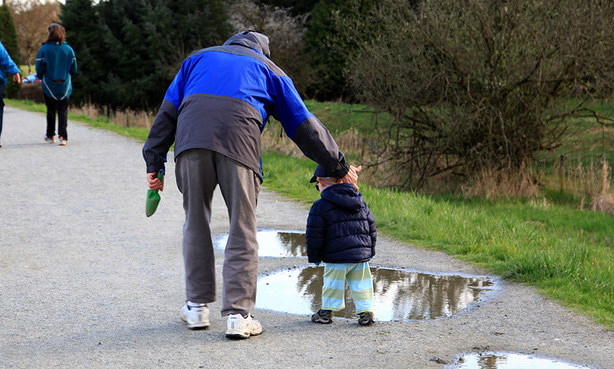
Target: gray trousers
<point>198,172</point>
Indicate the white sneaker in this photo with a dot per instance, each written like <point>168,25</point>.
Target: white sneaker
<point>196,316</point>
<point>239,327</point>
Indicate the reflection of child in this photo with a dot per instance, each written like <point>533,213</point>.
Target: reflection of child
<point>341,233</point>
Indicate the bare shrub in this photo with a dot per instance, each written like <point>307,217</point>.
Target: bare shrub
<point>285,34</point>
<point>32,17</point>
<point>475,86</point>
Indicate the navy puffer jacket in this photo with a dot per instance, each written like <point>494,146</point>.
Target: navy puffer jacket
<point>340,227</point>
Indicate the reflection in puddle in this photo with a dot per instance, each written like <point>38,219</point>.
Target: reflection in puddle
<point>275,243</point>
<point>510,361</point>
<point>398,294</point>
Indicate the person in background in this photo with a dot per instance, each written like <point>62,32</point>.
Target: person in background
<point>8,66</point>
<point>341,233</point>
<point>214,111</point>
<point>55,65</point>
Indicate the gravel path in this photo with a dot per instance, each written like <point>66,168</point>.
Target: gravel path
<point>87,281</point>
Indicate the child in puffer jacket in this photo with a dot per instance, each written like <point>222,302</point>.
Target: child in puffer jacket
<point>341,233</point>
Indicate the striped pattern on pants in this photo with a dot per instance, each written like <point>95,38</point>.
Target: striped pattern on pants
<point>358,277</point>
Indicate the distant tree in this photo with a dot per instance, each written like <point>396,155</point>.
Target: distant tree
<point>475,85</point>
<point>83,34</point>
<point>31,21</point>
<point>285,33</point>
<point>328,44</point>
<point>296,7</point>
<point>135,47</point>
<point>9,40</point>
<point>175,29</point>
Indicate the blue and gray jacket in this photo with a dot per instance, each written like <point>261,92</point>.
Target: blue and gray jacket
<point>340,227</point>
<point>55,63</point>
<point>221,99</point>
<point>7,65</point>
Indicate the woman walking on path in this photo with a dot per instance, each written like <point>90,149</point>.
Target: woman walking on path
<point>8,66</point>
<point>55,64</point>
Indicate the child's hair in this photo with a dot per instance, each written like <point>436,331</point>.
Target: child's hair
<point>329,181</point>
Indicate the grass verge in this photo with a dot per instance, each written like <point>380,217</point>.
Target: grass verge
<point>567,253</point>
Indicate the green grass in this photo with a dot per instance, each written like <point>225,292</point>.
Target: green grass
<point>343,117</point>
<point>567,253</point>
<point>584,140</point>
<point>26,105</point>
<point>23,70</point>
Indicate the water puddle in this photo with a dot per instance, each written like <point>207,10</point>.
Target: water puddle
<point>273,243</point>
<point>398,294</point>
<point>510,361</point>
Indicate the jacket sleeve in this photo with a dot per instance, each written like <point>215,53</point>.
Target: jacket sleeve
<point>162,133</point>
<point>372,230</point>
<point>315,234</point>
<point>41,64</point>
<point>73,65</point>
<point>6,62</point>
<point>309,134</point>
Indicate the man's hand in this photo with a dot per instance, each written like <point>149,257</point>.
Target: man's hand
<point>17,78</point>
<point>352,176</point>
<point>154,183</point>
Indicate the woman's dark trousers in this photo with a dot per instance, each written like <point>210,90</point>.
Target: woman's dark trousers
<point>59,107</point>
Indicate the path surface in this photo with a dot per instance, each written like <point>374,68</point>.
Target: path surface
<point>87,281</point>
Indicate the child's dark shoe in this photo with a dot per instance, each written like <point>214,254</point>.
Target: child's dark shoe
<point>365,318</point>
<point>322,317</point>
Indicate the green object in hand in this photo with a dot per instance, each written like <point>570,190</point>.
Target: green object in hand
<point>153,198</point>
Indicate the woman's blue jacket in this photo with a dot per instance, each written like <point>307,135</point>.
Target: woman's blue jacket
<point>55,65</point>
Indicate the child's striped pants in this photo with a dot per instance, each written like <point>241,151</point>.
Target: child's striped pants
<point>358,277</point>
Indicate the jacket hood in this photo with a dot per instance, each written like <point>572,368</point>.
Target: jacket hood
<point>251,39</point>
<point>343,195</point>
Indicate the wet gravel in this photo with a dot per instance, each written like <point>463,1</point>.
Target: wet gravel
<point>86,280</point>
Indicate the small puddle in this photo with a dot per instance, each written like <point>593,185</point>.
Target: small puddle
<point>510,361</point>
<point>273,243</point>
<point>398,294</point>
